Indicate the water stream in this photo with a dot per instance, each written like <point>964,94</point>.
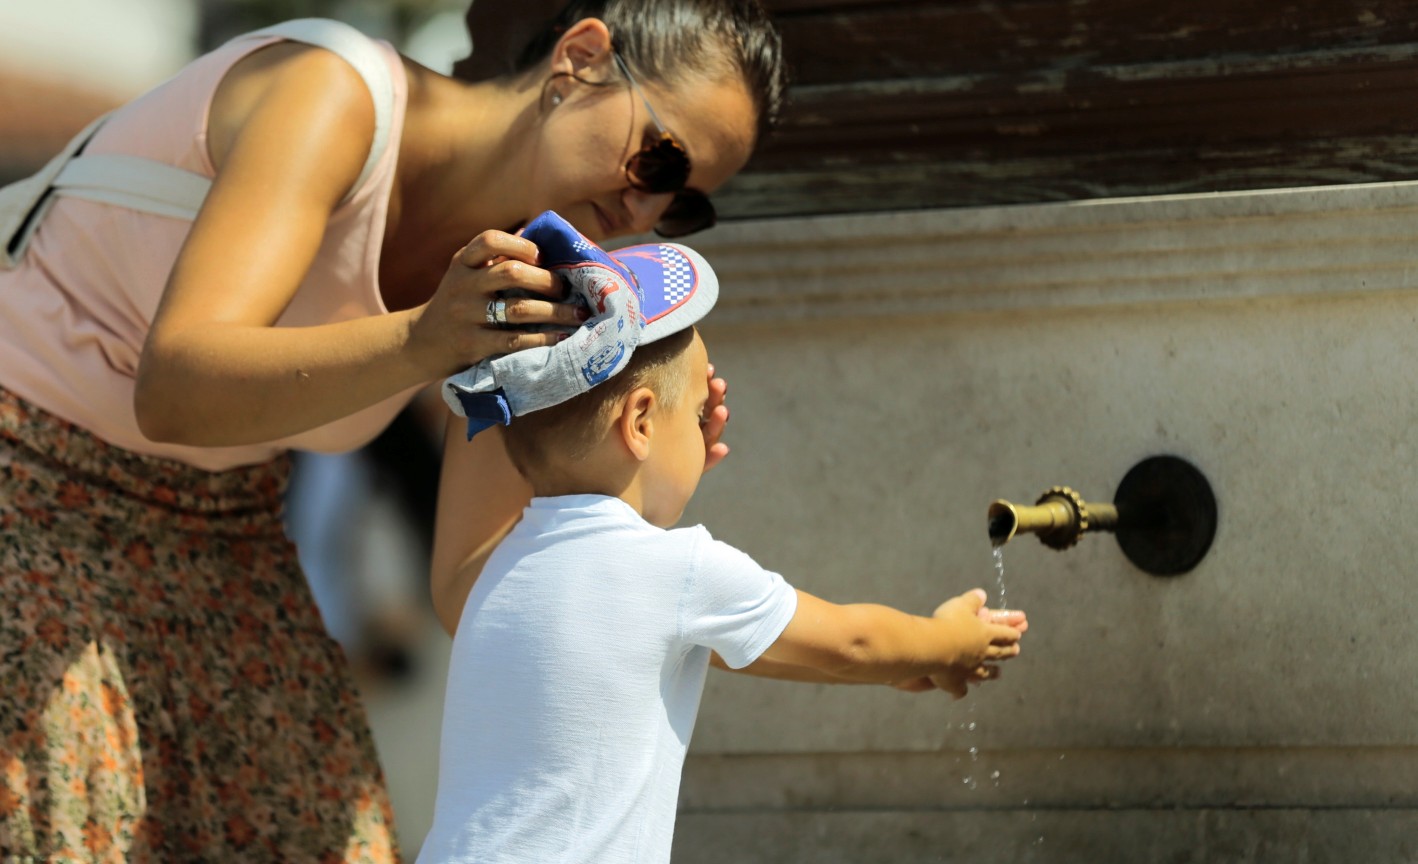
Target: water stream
<point>970,725</point>
<point>998,553</point>
<point>999,575</point>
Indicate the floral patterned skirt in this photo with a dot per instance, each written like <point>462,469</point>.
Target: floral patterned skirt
<point>167,689</point>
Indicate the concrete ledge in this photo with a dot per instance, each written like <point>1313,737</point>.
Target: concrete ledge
<point>1285,242</point>
<point>1087,837</point>
<point>1133,778</point>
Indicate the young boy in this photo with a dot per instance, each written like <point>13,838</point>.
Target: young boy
<point>581,653</point>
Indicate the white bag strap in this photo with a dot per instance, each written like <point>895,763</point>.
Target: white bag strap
<point>155,187</point>
<point>24,202</point>
<point>135,183</point>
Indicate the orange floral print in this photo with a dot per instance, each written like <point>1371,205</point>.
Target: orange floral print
<point>167,690</point>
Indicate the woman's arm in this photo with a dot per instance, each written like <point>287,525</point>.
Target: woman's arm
<point>214,371</point>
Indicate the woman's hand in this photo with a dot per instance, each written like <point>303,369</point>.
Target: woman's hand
<point>451,331</point>
<point>716,417</point>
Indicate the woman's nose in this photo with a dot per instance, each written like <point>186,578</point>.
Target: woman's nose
<point>645,208</point>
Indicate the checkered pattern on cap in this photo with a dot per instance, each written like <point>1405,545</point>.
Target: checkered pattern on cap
<point>679,275</point>
<point>678,285</point>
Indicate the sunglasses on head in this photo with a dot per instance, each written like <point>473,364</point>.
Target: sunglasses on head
<point>663,166</point>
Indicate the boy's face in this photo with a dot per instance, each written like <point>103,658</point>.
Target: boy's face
<point>677,451</point>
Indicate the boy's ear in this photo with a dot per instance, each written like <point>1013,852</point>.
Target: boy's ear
<point>635,425</point>
<point>584,45</point>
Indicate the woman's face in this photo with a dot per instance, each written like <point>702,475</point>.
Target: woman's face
<point>594,131</point>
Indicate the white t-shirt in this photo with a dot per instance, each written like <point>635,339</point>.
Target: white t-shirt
<point>575,678</point>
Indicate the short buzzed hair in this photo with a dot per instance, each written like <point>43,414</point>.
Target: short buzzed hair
<point>572,428</point>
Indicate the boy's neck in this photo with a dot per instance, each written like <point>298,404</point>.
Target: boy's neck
<point>591,477</point>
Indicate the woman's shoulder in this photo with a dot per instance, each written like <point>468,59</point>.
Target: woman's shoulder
<point>302,87</point>
<point>334,57</point>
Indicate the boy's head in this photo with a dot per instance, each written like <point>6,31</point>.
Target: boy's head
<point>639,433</point>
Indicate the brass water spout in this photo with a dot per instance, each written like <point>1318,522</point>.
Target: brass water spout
<point>1163,515</point>
<point>1059,517</point>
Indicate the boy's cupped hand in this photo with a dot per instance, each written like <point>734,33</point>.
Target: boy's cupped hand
<point>985,637</point>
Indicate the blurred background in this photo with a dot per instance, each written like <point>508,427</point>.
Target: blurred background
<point>55,76</point>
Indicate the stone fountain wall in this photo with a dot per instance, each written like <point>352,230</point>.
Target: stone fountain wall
<point>890,375</point>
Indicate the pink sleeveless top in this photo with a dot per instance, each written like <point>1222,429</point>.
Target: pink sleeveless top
<point>75,313</point>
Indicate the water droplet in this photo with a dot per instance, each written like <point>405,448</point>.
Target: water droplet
<point>971,727</point>
<point>994,775</point>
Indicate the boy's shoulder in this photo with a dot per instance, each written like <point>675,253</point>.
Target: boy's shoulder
<point>598,520</point>
<point>605,525</point>
<point>712,554</point>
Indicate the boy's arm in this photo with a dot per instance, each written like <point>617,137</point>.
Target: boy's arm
<point>779,671</point>
<point>775,671</point>
<point>868,643</point>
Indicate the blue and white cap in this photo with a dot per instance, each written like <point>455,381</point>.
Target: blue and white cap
<point>636,295</point>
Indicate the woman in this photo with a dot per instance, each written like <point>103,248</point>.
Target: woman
<point>169,691</point>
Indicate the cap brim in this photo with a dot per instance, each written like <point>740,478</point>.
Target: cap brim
<point>679,286</point>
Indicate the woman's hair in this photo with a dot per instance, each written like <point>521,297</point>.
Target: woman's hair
<point>570,429</point>
<point>664,40</point>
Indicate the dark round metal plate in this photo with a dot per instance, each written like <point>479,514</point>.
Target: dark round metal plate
<point>1166,515</point>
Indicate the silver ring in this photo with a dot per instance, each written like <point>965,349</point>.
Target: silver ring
<point>497,312</point>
